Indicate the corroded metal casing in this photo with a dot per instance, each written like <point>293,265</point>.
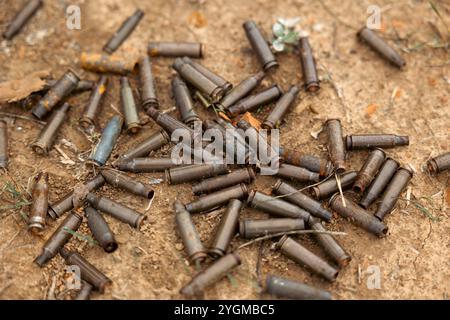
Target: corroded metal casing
<point>4,156</point>
<point>116,210</point>
<point>260,46</point>
<point>306,258</point>
<point>88,272</point>
<point>368,171</point>
<point>297,173</point>
<point>218,198</point>
<point>276,206</point>
<point>148,90</point>
<point>59,238</point>
<point>285,288</point>
<point>92,109</point>
<point>256,228</point>
<point>168,123</point>
<point>194,172</point>
<point>183,101</point>
<point>308,62</point>
<point>227,229</point>
<point>241,90</point>
<point>261,98</point>
<point>147,164</point>
<point>198,80</point>
<point>85,291</point>
<point>129,107</point>
<point>329,244</point>
<point>188,233</point>
<point>245,175</point>
<point>380,182</point>
<point>358,216</point>
<point>439,163</point>
<point>310,162</point>
<point>120,180</point>
<point>39,206</point>
<point>21,18</point>
<point>302,200</point>
<point>210,74</point>
<point>48,134</point>
<point>102,63</point>
<point>100,230</point>
<point>175,49</point>
<point>154,142</point>
<point>123,32</point>
<point>63,87</point>
<point>65,204</point>
<point>335,144</point>
<point>381,47</point>
<point>328,188</point>
<point>82,85</point>
<point>368,141</point>
<point>282,106</point>
<point>211,275</point>
<point>102,151</point>
<point>393,191</point>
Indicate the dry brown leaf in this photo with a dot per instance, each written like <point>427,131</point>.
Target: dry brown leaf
<point>371,109</point>
<point>255,123</point>
<point>15,90</point>
<point>197,19</point>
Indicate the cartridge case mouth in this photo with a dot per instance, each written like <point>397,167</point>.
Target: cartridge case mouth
<point>140,221</point>
<point>432,167</point>
<point>111,246</point>
<point>36,227</point>
<point>216,253</point>
<point>39,148</point>
<point>271,65</point>
<point>280,243</point>
<point>39,111</point>
<point>198,256</point>
<point>312,87</point>
<point>268,125</point>
<point>133,128</point>
<point>407,169</point>
<point>86,123</point>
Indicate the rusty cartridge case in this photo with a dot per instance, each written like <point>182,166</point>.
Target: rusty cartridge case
<point>227,229</point>
<point>168,123</point>
<point>328,188</point>
<point>381,47</point>
<point>298,253</point>
<point>48,134</point>
<point>92,109</point>
<point>148,90</point>
<point>198,80</point>
<point>85,291</point>
<point>273,120</point>
<point>246,175</point>
<point>59,238</point>
<point>88,272</point>
<point>335,144</point>
<point>4,156</point>
<point>297,173</point>
<point>256,228</point>
<point>21,18</point>
<point>358,216</point>
<point>241,90</point>
<point>188,233</point>
<point>213,273</point>
<point>285,288</point>
<point>194,172</point>
<point>308,62</point>
<point>368,141</point>
<point>333,249</point>
<point>147,164</point>
<point>120,180</point>
<point>183,101</point>
<point>393,191</point>
<point>175,49</point>
<point>129,107</point>
<point>116,210</point>
<point>56,94</point>
<point>310,162</point>
<point>154,142</point>
<point>261,98</point>
<point>102,63</point>
<point>260,46</point>
<point>368,171</point>
<point>65,204</point>
<point>382,179</point>
<point>302,200</point>
<point>100,230</point>
<point>102,151</point>
<point>218,198</point>
<point>439,163</point>
<point>39,206</point>
<point>82,85</point>
<point>123,32</point>
<point>221,82</point>
<point>276,206</point>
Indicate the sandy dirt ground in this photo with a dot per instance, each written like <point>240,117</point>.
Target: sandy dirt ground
<point>373,97</point>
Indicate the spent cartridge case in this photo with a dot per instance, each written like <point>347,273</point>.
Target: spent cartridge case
<point>147,164</point>
<point>39,205</point>
<point>368,171</point>
<point>154,142</point>
<point>194,172</point>
<point>92,109</point>
<point>175,49</point>
<point>368,141</point>
<point>100,230</point>
<point>256,228</point>
<point>282,106</point>
<point>221,82</point>
<point>102,63</point>
<point>21,18</point>
<point>241,90</point>
<point>335,144</point>
<point>148,89</point>
<point>120,180</point>
<point>251,102</point>
<point>165,121</point>
<point>129,107</point>
<point>260,46</point>
<point>308,62</point>
<point>310,162</point>
<point>183,101</point>
<point>297,173</point>
<point>123,32</point>
<point>102,151</point>
<point>246,175</point>
<point>439,163</point>
<point>4,156</point>
<point>327,188</point>
<point>290,289</point>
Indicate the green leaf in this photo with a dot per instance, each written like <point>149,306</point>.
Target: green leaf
<point>291,38</point>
